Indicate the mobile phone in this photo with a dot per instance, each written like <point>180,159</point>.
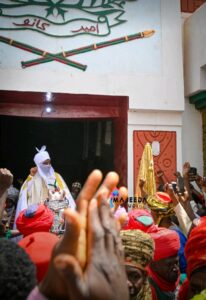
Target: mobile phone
<point>180,183</point>
<point>193,171</point>
<point>174,186</point>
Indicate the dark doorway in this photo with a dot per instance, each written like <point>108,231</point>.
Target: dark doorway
<point>76,147</point>
<point>81,132</point>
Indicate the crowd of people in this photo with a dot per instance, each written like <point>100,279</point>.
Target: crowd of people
<point>89,244</point>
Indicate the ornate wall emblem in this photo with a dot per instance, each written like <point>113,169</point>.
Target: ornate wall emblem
<point>62,18</point>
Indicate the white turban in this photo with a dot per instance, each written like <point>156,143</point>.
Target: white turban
<point>41,156</point>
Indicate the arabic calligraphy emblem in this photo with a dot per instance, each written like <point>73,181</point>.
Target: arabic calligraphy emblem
<point>62,18</point>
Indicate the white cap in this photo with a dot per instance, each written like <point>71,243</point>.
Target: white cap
<point>41,156</point>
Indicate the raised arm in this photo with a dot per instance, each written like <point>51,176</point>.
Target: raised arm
<point>182,214</point>
<point>6,179</point>
<point>88,261</point>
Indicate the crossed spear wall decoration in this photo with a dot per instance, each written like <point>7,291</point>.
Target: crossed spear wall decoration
<point>61,56</point>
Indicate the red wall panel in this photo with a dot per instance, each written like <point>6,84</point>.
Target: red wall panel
<point>191,5</point>
<point>165,161</point>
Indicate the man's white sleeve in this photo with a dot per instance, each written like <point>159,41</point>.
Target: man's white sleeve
<point>183,218</point>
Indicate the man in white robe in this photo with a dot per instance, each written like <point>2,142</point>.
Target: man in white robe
<point>39,187</point>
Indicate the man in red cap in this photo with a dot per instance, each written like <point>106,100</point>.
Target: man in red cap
<point>195,252</point>
<point>39,246</point>
<point>36,218</point>
<point>164,269</point>
<point>140,219</point>
<point>162,208</point>
<point>138,250</point>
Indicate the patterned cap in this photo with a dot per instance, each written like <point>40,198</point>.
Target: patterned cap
<point>161,203</point>
<point>138,248</point>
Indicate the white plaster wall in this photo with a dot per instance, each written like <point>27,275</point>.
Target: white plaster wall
<point>192,148</point>
<point>165,121</point>
<point>195,51</point>
<point>149,71</point>
<point>192,136</point>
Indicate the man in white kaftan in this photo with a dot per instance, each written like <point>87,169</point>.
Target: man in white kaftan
<point>39,187</point>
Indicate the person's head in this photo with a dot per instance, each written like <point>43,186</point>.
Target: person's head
<point>195,253</point>
<point>135,280</point>
<point>17,272</point>
<point>161,206</point>
<point>39,247</point>
<point>197,282</point>
<point>167,268</point>
<point>36,218</point>
<point>76,188</point>
<point>138,248</point>
<point>165,263</point>
<point>42,157</point>
<point>9,203</point>
<point>140,219</point>
<point>12,196</point>
<point>43,163</point>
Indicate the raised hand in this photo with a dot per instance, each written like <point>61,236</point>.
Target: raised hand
<point>160,175</point>
<point>88,261</point>
<point>177,197</point>
<point>6,179</point>
<point>170,191</point>
<point>33,171</point>
<point>186,169</point>
<point>104,276</point>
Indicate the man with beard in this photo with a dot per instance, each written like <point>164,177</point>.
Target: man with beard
<point>164,269</point>
<point>39,186</point>
<point>138,249</point>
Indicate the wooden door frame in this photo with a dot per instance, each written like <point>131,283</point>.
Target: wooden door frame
<point>74,106</point>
